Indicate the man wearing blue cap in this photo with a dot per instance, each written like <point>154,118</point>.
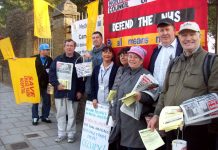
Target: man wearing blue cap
<point>43,62</point>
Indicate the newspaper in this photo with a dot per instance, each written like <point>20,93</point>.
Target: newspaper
<point>200,108</point>
<point>146,83</point>
<point>64,74</point>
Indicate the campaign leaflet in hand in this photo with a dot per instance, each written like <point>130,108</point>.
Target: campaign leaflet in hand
<point>111,95</point>
<point>200,108</point>
<point>64,74</point>
<point>129,99</point>
<point>171,118</point>
<point>151,139</point>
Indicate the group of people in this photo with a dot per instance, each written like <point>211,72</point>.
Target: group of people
<point>176,63</point>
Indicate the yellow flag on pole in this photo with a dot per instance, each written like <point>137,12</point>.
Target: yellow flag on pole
<point>24,80</point>
<point>92,10</point>
<point>41,19</point>
<point>6,48</point>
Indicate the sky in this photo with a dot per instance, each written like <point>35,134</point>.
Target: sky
<point>211,42</point>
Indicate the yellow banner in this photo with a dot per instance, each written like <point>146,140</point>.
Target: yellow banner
<point>6,48</point>
<point>143,39</point>
<point>41,19</point>
<point>24,80</point>
<point>92,10</point>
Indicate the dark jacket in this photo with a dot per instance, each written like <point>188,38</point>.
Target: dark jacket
<point>156,51</point>
<point>41,70</point>
<point>94,80</point>
<point>77,83</point>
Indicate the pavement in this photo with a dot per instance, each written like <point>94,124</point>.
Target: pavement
<point>18,133</point>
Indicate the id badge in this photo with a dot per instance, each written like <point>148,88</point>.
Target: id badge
<point>47,70</point>
<point>101,87</point>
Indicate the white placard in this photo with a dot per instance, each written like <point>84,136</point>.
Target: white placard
<point>78,31</point>
<point>95,132</point>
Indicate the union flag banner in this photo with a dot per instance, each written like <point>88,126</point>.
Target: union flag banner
<point>6,48</point>
<point>24,80</point>
<point>134,22</point>
<point>41,19</point>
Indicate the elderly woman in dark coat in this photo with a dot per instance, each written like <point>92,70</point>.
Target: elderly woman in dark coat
<point>129,127</point>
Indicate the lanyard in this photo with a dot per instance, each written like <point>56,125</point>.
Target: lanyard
<point>103,75</point>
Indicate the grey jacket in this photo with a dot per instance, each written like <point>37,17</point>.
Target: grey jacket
<point>129,126</point>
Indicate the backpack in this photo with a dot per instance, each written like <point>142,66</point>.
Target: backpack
<point>207,66</point>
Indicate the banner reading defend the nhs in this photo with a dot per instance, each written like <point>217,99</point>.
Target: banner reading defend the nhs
<point>134,22</point>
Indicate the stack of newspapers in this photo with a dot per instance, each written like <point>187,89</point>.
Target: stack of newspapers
<point>202,108</point>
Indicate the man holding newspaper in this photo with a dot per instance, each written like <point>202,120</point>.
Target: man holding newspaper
<point>68,90</point>
<point>185,80</point>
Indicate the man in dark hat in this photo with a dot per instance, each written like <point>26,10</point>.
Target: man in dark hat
<point>168,48</point>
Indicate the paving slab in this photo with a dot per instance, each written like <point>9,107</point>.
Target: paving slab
<point>16,127</point>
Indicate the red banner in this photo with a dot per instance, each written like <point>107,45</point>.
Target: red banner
<point>134,22</point>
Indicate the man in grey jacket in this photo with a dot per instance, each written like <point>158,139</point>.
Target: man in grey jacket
<point>95,56</point>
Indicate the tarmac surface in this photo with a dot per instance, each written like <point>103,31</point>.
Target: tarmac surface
<point>18,133</point>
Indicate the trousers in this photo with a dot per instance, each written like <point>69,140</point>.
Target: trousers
<point>66,107</point>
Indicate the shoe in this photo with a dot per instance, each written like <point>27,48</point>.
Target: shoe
<point>35,121</point>
<point>60,139</point>
<point>71,139</point>
<point>46,120</point>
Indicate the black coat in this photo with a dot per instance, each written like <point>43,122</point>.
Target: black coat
<point>41,71</point>
<point>77,83</point>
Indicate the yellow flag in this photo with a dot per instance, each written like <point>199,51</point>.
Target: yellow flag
<point>92,10</point>
<point>6,48</point>
<point>24,80</point>
<point>41,19</point>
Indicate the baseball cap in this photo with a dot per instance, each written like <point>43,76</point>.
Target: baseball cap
<point>165,22</point>
<point>138,50</point>
<point>189,26</point>
<point>44,46</point>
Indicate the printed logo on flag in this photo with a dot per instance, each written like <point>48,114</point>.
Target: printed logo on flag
<point>27,86</point>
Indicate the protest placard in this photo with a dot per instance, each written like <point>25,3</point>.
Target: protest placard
<point>95,132</point>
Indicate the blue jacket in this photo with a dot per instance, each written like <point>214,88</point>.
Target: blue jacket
<point>77,83</point>
<point>155,53</point>
<point>94,80</point>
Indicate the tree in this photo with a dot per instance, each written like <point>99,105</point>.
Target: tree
<point>8,5</point>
